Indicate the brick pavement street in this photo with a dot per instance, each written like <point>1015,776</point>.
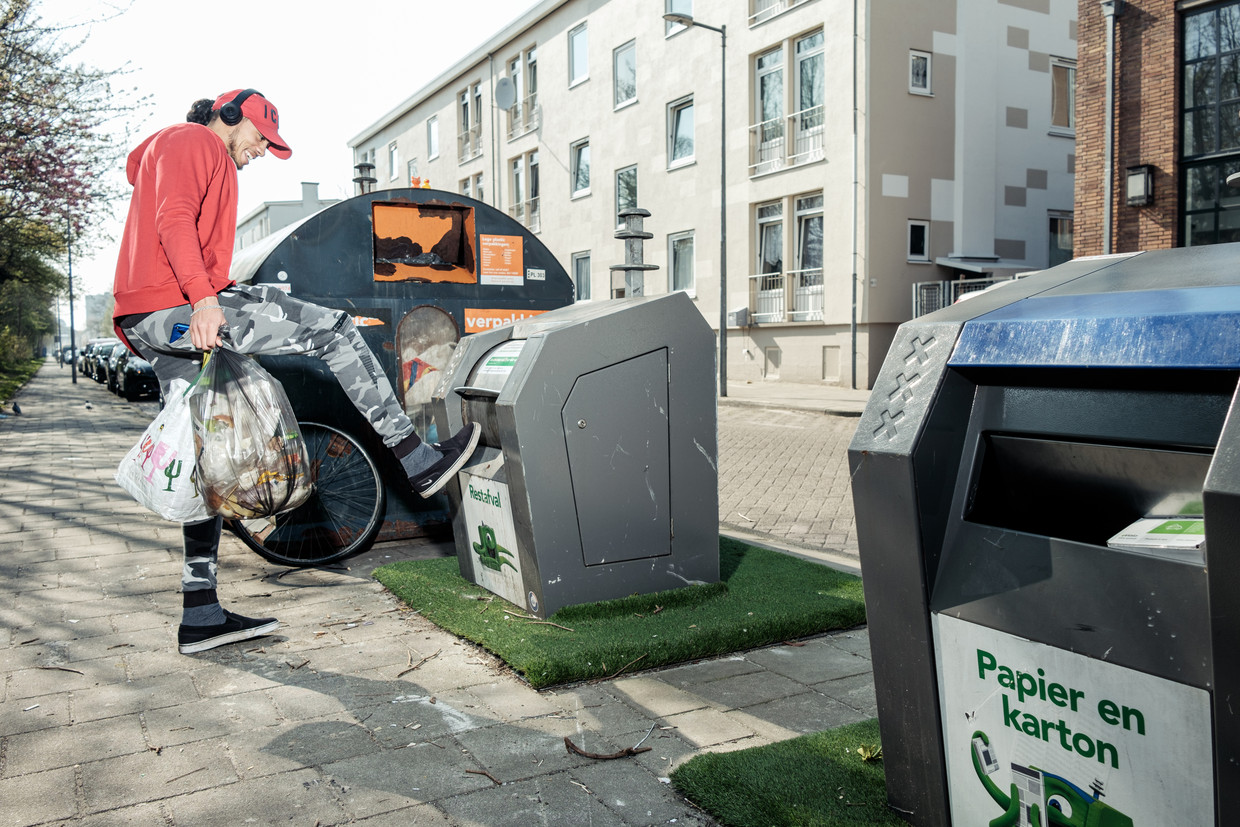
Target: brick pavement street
<point>783,479</point>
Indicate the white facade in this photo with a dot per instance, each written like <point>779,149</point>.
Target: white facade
<point>871,145</point>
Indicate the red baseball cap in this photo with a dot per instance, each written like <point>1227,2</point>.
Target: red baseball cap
<point>261,113</point>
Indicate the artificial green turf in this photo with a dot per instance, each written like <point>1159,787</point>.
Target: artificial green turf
<point>764,597</point>
<point>817,779</point>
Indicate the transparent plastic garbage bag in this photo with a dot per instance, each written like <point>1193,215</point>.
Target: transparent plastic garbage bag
<point>251,458</point>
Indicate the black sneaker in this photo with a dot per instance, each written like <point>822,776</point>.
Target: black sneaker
<point>455,453</point>
<point>235,628</point>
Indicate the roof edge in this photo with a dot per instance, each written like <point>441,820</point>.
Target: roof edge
<point>510,31</point>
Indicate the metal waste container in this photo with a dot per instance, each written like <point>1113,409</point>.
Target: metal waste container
<point>417,269</point>
<point>596,477</point>
<point>1046,485</point>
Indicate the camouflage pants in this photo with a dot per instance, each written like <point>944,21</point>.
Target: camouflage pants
<point>264,320</point>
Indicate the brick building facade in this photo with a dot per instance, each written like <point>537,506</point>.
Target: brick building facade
<point>1176,109</point>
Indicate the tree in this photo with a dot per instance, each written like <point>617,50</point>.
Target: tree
<point>56,146</point>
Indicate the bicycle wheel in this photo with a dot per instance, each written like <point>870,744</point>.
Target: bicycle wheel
<point>340,518</point>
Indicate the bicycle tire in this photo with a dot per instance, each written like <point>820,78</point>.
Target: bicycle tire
<point>341,517</point>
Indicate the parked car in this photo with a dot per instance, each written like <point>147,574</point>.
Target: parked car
<point>83,356</point>
<point>97,366</point>
<point>135,377</point>
<point>109,367</point>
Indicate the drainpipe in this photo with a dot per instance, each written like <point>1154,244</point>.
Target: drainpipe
<point>852,327</point>
<point>1110,10</point>
<point>494,136</point>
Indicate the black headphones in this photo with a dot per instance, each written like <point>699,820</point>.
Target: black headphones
<point>230,113</point>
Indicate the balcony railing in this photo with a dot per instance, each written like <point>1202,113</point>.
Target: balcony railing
<point>806,294</point>
<point>929,296</point>
<point>766,147</point>
<point>768,296</point>
<point>761,11</point>
<point>786,141</point>
<point>528,213</point>
<point>469,144</point>
<point>523,116</point>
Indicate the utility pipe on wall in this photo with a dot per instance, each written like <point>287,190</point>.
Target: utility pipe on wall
<point>1110,9</point>
<point>852,325</point>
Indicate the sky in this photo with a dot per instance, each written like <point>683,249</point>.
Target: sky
<point>330,68</point>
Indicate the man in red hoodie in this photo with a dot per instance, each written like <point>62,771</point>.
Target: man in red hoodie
<point>172,279</point>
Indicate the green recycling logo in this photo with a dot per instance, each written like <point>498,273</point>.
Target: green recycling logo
<point>490,553</point>
<point>1042,799</point>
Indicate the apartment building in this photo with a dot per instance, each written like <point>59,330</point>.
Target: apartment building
<point>858,159</point>
<point>1175,134</point>
<point>270,216</point>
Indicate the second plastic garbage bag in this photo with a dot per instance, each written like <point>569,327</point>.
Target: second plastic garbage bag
<point>252,460</point>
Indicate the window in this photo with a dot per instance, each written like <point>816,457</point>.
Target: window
<point>626,191</point>
<point>766,288</point>
<point>411,173</point>
<point>807,278</point>
<point>676,7</point>
<point>465,187</point>
<point>523,72</point>
<point>393,162</point>
<point>517,194</point>
<point>807,123</point>
<point>516,74</point>
<point>771,238</point>
<point>470,139</point>
<point>578,55</point>
<point>478,187</point>
<point>769,112</point>
<point>680,261</point>
<point>919,77</point>
<point>1063,96</point>
<point>524,190</point>
<point>579,170</point>
<point>532,170</point>
<point>432,137</point>
<point>809,232</point>
<point>624,64</point>
<point>1061,238</point>
<point>680,132</point>
<point>919,241</point>
<point>1209,126</point>
<point>581,275</point>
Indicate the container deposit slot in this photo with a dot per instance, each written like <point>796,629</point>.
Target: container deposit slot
<point>1080,491</point>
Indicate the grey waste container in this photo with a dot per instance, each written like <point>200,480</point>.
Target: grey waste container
<point>1043,654</point>
<point>597,474</point>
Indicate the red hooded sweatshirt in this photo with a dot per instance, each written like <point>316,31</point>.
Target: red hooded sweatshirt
<point>178,241</point>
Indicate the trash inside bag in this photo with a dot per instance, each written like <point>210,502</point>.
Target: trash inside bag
<point>252,460</point>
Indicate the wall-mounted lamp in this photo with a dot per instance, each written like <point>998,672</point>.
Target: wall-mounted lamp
<point>1140,187</point>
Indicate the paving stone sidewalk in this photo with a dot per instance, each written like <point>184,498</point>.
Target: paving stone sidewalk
<point>102,722</point>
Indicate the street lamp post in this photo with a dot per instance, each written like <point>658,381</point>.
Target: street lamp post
<point>72,334</point>
<point>688,21</point>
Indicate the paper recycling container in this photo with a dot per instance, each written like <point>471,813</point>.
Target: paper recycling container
<point>1046,483</point>
<point>417,270</point>
<point>597,475</point>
